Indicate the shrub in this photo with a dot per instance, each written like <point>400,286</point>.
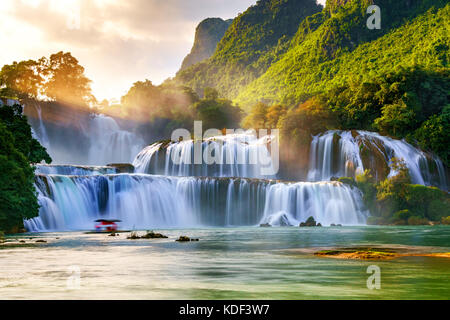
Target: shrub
<point>417,221</point>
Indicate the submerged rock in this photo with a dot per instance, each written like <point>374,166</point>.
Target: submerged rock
<point>153,235</point>
<point>265,225</point>
<point>148,235</point>
<point>378,253</point>
<point>122,167</point>
<point>185,239</point>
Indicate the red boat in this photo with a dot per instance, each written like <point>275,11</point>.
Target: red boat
<point>104,225</point>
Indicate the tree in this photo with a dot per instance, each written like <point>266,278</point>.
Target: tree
<point>16,123</point>
<point>18,149</point>
<point>217,113</point>
<point>397,119</point>
<point>59,77</point>
<point>66,80</point>
<point>308,118</point>
<point>257,118</point>
<point>17,196</point>
<point>434,134</point>
<point>22,79</point>
<point>274,114</point>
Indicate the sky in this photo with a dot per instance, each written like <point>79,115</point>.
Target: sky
<point>118,42</point>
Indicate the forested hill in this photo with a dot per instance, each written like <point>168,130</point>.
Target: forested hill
<point>284,51</point>
<point>207,35</point>
<point>255,39</point>
<point>342,49</point>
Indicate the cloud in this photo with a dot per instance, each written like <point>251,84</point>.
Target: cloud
<point>117,41</point>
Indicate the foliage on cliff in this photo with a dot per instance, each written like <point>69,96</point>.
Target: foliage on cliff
<point>343,49</point>
<point>18,149</point>
<point>333,72</point>
<point>396,201</point>
<point>412,104</point>
<point>254,40</point>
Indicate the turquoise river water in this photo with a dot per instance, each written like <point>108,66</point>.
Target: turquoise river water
<point>227,263</point>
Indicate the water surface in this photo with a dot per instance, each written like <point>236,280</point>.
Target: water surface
<point>227,263</point>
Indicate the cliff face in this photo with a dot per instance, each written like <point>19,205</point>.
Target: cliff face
<point>207,35</point>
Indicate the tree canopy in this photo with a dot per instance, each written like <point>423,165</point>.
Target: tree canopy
<point>18,149</point>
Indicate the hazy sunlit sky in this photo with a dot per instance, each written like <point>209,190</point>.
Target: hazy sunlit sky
<point>117,41</point>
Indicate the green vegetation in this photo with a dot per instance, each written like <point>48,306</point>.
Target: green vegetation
<point>332,72</point>
<point>396,201</point>
<point>16,123</point>
<point>254,40</point>
<point>343,50</point>
<point>411,103</point>
<point>18,149</point>
<point>215,112</point>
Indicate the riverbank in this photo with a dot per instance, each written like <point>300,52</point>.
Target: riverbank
<point>227,263</point>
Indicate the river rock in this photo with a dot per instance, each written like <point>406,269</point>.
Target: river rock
<point>185,239</point>
<point>148,235</point>
<point>310,222</point>
<point>122,167</point>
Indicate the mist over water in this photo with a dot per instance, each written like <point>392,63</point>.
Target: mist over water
<point>97,140</point>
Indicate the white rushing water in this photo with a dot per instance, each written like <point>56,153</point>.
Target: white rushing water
<point>163,194</point>
<point>107,141</point>
<point>234,155</point>
<point>343,153</point>
<point>148,201</point>
<point>73,170</point>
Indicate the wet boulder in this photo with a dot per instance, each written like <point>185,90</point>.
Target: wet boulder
<point>310,222</point>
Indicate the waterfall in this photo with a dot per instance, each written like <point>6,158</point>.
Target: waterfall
<point>327,202</point>
<point>42,137</point>
<point>347,153</point>
<point>107,142</point>
<point>149,201</point>
<point>73,170</point>
<point>238,155</point>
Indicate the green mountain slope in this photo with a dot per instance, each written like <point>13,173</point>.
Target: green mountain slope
<point>342,48</point>
<point>255,39</point>
<point>207,35</point>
